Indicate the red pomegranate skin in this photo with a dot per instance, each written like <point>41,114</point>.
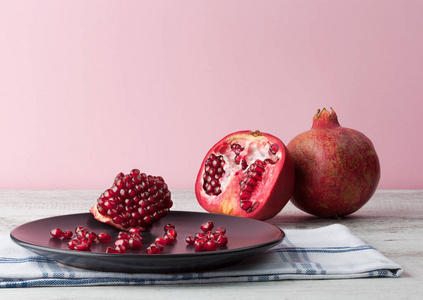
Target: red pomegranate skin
<point>337,169</point>
<point>274,192</point>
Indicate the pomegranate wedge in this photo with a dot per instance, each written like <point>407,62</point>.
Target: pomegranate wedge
<point>135,200</point>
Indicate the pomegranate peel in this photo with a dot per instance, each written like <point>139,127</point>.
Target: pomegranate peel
<point>248,174</point>
<point>337,169</point>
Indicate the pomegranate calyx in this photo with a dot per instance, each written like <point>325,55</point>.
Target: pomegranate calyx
<point>325,119</point>
<point>256,133</point>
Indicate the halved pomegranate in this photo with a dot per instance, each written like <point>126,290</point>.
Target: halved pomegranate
<point>247,174</point>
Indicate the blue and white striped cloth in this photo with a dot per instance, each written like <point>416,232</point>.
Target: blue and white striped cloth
<point>329,252</point>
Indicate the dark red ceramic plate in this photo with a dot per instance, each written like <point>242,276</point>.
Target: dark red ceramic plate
<point>247,237</point>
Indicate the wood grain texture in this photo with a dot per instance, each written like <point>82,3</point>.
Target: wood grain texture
<point>391,222</point>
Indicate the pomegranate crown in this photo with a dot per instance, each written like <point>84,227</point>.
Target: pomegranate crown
<point>323,118</point>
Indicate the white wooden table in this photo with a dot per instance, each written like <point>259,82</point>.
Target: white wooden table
<point>391,222</point>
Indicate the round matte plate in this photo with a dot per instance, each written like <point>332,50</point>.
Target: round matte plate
<point>246,237</point>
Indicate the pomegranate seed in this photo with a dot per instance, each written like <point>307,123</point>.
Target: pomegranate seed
<point>207,226</point>
<point>124,235</point>
<point>273,148</point>
<point>72,244</point>
<point>190,240</point>
<point>104,237</point>
<point>134,232</point>
<point>245,205</point>
<point>92,236</point>
<point>200,235</point>
<point>172,232</point>
<point>153,249</point>
<point>112,250</point>
<point>212,235</point>
<point>200,245</point>
<point>244,164</point>
<point>168,226</point>
<point>221,230</point>
<point>56,233</point>
<point>211,245</point>
<point>82,247</point>
<point>222,240</point>
<point>86,241</point>
<point>79,228</point>
<point>160,246</point>
<point>160,241</point>
<point>122,242</point>
<point>67,234</point>
<point>169,239</point>
<point>134,243</point>
<point>121,248</point>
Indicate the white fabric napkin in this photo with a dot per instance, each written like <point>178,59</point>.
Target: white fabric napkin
<point>329,252</point>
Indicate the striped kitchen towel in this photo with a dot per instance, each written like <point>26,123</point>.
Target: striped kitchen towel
<point>329,252</point>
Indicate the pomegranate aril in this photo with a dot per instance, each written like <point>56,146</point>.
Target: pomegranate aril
<point>200,245</point>
<point>245,205</point>
<point>257,176</point>
<point>222,240</point>
<point>172,232</point>
<point>122,242</point>
<point>244,195</point>
<point>104,237</point>
<point>81,228</point>
<point>121,248</point>
<point>72,244</point>
<point>91,236</point>
<point>134,244</point>
<point>57,233</point>
<point>207,226</point>
<point>273,149</point>
<point>67,234</point>
<point>244,164</point>
<point>169,239</point>
<point>117,220</point>
<point>87,241</point>
<point>190,240</point>
<point>221,230</point>
<point>123,235</point>
<point>212,235</point>
<point>211,245</point>
<point>200,235</point>
<point>112,250</point>
<point>168,226</point>
<point>160,241</point>
<point>153,249</point>
<point>82,247</point>
<point>134,232</point>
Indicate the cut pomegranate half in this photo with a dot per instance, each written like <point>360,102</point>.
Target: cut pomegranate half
<point>247,174</point>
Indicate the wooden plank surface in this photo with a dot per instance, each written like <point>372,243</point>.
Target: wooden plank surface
<point>391,222</point>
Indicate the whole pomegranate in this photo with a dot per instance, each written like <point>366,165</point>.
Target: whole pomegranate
<point>247,174</point>
<point>337,169</point>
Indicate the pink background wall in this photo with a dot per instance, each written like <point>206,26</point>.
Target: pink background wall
<point>92,88</point>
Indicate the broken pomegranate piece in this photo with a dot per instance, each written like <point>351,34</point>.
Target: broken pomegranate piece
<point>135,200</point>
<point>247,174</point>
